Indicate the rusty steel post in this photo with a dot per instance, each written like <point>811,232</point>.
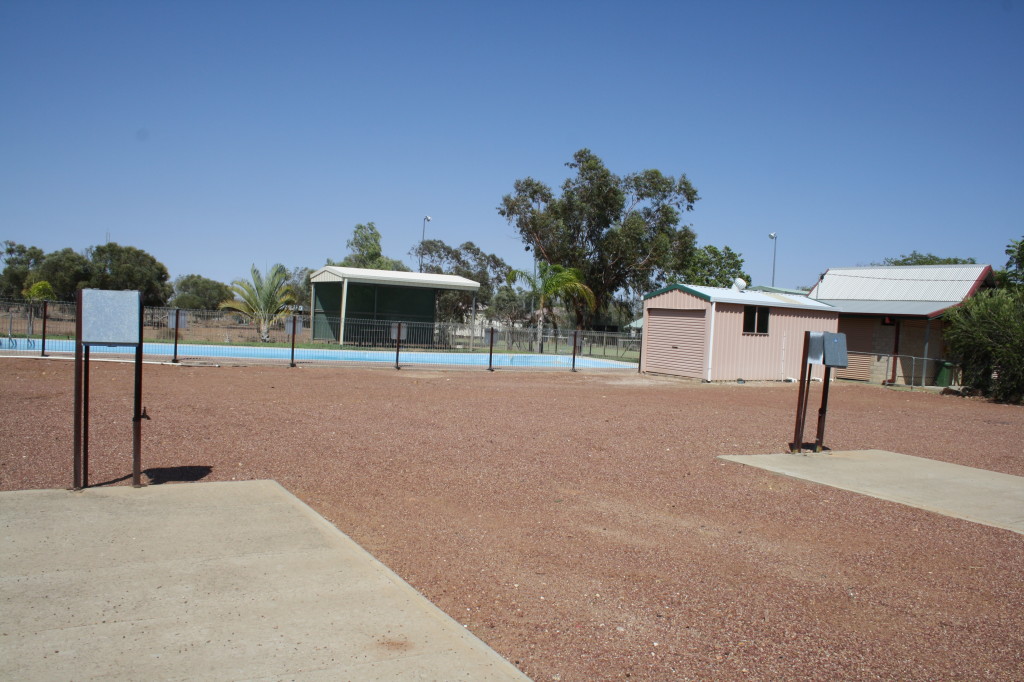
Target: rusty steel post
<point>77,435</point>
<point>42,351</point>
<point>398,344</point>
<point>822,411</point>
<point>292,364</point>
<point>801,400</point>
<point>575,344</point>
<point>490,354</point>
<point>85,418</point>
<point>177,325</point>
<point>139,413</point>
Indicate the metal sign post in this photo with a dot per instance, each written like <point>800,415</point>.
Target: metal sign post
<point>576,345</point>
<point>820,348</point>
<point>42,351</point>
<point>397,334</point>
<point>105,318</point>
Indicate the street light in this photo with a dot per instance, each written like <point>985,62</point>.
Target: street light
<point>775,245</point>
<point>423,237</point>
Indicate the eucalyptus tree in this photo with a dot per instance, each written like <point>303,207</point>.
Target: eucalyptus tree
<point>621,234</point>
<point>264,299</point>
<point>553,283</point>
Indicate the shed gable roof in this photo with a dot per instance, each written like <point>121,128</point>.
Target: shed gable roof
<point>901,283</point>
<point>335,273</point>
<point>744,297</point>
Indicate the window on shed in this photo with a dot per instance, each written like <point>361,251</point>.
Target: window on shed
<point>755,319</point>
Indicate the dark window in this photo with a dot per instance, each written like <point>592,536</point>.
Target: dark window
<point>755,319</point>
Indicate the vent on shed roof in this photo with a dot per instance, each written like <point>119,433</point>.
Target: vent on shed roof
<point>739,284</point>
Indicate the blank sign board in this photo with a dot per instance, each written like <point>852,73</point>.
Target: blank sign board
<point>111,318</point>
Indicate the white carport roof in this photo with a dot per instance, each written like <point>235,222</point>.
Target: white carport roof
<point>334,273</point>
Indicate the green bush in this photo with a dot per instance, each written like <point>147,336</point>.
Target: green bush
<point>986,338</point>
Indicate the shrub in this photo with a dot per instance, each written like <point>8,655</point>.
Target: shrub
<point>986,338</point>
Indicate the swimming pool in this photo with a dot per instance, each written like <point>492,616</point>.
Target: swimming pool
<point>189,351</point>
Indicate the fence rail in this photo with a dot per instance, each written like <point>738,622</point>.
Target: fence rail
<point>201,336</point>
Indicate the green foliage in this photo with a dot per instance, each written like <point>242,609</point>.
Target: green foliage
<point>915,258</point>
<point>621,234</point>
<point>468,261</point>
<point>551,284</point>
<point>126,267</point>
<point>264,299</point>
<point>195,292</point>
<point>1013,275</point>
<point>365,251</point>
<point>19,261</point>
<point>66,270</point>
<point>714,267</point>
<point>40,291</point>
<point>298,282</point>
<point>985,337</point>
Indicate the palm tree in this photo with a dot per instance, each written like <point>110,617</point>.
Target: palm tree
<point>548,285</point>
<point>264,300</point>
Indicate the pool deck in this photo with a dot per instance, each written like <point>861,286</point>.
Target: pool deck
<point>210,581</point>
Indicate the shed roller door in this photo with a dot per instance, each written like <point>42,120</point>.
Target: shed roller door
<point>859,341</point>
<point>675,342</point>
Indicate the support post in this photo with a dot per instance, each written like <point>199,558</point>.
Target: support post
<point>139,413</point>
<point>575,345</point>
<point>85,418</point>
<point>398,345</point>
<point>801,400</point>
<point>490,355</point>
<point>77,435</point>
<point>293,342</point>
<point>177,325</point>
<point>823,410</point>
<point>42,351</point>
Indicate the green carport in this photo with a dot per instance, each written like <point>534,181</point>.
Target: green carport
<point>341,295</point>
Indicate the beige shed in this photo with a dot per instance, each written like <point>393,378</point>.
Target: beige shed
<point>717,334</point>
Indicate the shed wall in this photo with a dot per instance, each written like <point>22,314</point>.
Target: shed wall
<point>774,356</point>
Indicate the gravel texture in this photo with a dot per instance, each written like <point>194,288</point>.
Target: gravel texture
<point>581,524</point>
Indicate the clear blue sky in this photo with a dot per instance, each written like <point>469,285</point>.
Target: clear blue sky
<point>215,134</point>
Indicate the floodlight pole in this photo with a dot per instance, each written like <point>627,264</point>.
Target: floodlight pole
<point>774,236</point>
<point>423,238</point>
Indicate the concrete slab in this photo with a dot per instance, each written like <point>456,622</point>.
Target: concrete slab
<point>210,581</point>
<point>977,495</point>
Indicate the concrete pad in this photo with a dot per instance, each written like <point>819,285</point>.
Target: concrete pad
<point>977,495</point>
<point>210,581</point>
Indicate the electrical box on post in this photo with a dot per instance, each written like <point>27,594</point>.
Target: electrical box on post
<point>834,350</point>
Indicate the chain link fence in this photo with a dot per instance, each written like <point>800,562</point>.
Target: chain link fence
<point>223,337</point>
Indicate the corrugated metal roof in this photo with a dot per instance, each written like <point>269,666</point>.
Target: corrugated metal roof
<point>901,283</point>
<point>334,273</point>
<point>905,308</point>
<point>744,297</point>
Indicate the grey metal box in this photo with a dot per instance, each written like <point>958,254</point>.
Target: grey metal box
<point>834,351</point>
<point>111,318</point>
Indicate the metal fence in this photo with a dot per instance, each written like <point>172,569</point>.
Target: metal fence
<point>223,337</point>
<point>905,370</point>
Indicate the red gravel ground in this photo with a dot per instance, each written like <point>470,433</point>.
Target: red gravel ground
<point>581,524</point>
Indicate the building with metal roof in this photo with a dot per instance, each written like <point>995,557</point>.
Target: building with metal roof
<point>718,334</point>
<point>373,297</point>
<point>890,315</point>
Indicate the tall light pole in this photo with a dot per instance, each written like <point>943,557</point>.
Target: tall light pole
<point>423,238</point>
<point>775,245</point>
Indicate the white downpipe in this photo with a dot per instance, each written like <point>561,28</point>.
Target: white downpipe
<point>344,301</point>
<point>711,341</point>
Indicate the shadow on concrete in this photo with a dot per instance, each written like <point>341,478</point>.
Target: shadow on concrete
<point>160,475</point>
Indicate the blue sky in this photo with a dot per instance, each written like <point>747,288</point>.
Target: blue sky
<point>218,134</point>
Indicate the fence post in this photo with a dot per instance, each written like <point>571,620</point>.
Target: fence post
<point>42,351</point>
<point>398,344</point>
<point>292,364</point>
<point>490,355</point>
<point>575,344</point>
<point>177,324</point>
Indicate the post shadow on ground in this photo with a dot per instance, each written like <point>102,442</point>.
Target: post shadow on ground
<point>160,475</point>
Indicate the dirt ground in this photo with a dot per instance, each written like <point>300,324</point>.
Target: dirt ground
<point>581,524</point>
